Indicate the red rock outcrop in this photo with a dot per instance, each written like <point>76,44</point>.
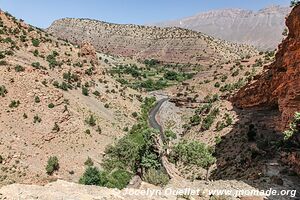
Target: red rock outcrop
<point>279,85</point>
<point>89,52</point>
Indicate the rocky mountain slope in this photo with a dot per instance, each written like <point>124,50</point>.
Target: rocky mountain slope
<point>262,29</point>
<point>279,85</point>
<point>172,45</point>
<point>56,100</point>
<point>278,88</point>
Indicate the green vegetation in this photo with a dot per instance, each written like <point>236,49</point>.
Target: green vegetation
<point>91,120</point>
<point>51,105</point>
<point>132,152</point>
<point>116,179</point>
<point>89,162</point>
<point>3,91</point>
<point>222,125</point>
<point>152,75</point>
<point>85,91</point>
<point>170,135</point>
<point>36,119</point>
<point>52,165</point>
<point>294,127</point>
<point>37,99</point>
<point>51,58</point>
<point>192,153</point>
<point>35,42</point>
<point>14,104</point>
<point>233,86</point>
<point>19,68</point>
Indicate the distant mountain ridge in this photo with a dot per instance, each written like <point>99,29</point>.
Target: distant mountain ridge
<point>262,29</point>
<point>170,45</point>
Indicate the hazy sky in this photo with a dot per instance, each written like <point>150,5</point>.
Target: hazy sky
<point>41,13</point>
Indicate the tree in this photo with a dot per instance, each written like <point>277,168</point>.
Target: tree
<point>91,176</point>
<point>52,165</point>
<point>85,91</point>
<point>192,153</point>
<point>35,42</point>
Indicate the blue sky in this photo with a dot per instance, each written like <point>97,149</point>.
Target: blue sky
<point>41,13</point>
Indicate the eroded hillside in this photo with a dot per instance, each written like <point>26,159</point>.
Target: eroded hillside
<point>56,100</point>
<point>172,45</point>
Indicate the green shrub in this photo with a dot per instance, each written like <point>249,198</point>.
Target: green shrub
<point>156,177</point>
<point>35,42</point>
<point>134,114</point>
<point>3,62</point>
<point>91,120</point>
<point>195,120</point>
<point>96,93</point>
<point>36,53</point>
<point>19,68</point>
<point>192,153</point>
<point>37,99</point>
<point>52,165</point>
<point>14,104</point>
<point>36,65</point>
<point>51,105</point>
<point>217,84</point>
<point>89,162</point>
<point>36,119</point>
<point>25,116</point>
<point>116,179</point>
<point>85,91</point>
<point>3,91</point>
<point>92,176</point>
<point>294,127</point>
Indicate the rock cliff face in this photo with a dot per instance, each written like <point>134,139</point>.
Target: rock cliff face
<point>262,28</point>
<point>173,45</point>
<point>279,85</point>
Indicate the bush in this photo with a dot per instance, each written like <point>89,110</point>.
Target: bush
<point>117,179</point>
<point>192,153</point>
<point>156,177</point>
<point>294,127</point>
<point>51,105</point>
<point>37,99</point>
<point>36,119</point>
<point>19,68</point>
<point>85,91</point>
<point>89,162</point>
<point>91,121</point>
<point>14,104</point>
<point>217,84</point>
<point>36,53</point>
<point>36,65</point>
<point>3,62</point>
<point>3,91</point>
<point>134,114</point>
<point>52,165</point>
<point>91,176</point>
<point>35,42</point>
<point>170,135</point>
